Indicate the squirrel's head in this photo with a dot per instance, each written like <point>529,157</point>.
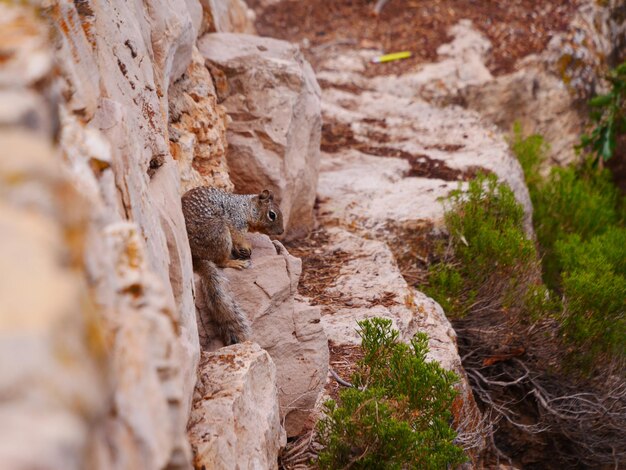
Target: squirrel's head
<point>270,220</point>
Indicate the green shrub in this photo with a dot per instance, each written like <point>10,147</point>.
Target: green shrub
<point>446,285</point>
<point>571,201</point>
<point>530,151</point>
<point>398,416</point>
<point>578,218</point>
<point>485,224</point>
<point>594,289</point>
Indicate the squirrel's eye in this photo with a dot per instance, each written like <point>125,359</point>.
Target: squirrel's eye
<point>272,215</point>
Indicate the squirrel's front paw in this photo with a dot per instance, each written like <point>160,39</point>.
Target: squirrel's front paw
<point>242,252</point>
<point>238,264</point>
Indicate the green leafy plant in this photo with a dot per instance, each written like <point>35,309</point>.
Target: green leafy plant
<point>608,116</point>
<point>397,415</point>
<point>571,200</point>
<point>594,289</point>
<point>581,236</point>
<point>530,151</point>
<point>491,251</point>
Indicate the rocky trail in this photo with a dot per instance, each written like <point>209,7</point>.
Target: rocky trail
<point>389,157</point>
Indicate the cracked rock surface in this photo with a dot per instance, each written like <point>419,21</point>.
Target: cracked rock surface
<point>288,328</point>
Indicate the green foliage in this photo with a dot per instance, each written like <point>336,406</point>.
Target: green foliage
<point>487,224</point>
<point>446,286</point>
<point>580,232</point>
<point>608,115</point>
<point>531,152</point>
<point>571,200</point>
<point>398,415</point>
<point>486,228</point>
<point>594,288</point>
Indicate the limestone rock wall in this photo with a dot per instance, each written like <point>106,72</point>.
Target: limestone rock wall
<point>52,364</point>
<point>235,420</point>
<point>97,283</point>
<point>117,64</point>
<point>197,129</point>
<point>228,16</point>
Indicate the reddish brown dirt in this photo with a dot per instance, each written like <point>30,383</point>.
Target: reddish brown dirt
<point>516,28</point>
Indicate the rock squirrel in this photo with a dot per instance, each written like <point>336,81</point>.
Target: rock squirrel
<point>217,222</point>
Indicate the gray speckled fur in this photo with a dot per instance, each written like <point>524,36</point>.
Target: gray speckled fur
<point>211,203</point>
<point>216,224</point>
<point>231,322</point>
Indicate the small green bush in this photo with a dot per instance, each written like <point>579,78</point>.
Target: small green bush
<point>446,286</point>
<point>530,151</point>
<point>571,201</point>
<point>490,217</point>
<point>486,228</point>
<point>398,416</point>
<point>578,218</point>
<point>594,288</point>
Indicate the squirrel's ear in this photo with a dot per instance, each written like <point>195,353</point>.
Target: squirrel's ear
<point>266,195</point>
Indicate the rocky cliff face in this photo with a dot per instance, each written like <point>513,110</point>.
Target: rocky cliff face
<point>111,115</point>
<point>54,366</point>
<point>113,67</point>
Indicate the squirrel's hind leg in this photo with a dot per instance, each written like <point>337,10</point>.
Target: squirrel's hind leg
<point>213,241</point>
<point>242,249</point>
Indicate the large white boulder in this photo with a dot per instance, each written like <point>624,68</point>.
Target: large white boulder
<point>287,328</point>
<point>272,97</point>
<point>235,420</point>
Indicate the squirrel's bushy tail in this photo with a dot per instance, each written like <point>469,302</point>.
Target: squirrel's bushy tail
<point>231,322</point>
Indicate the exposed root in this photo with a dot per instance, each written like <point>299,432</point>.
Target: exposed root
<point>301,454</point>
<point>533,402</point>
<point>339,380</point>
